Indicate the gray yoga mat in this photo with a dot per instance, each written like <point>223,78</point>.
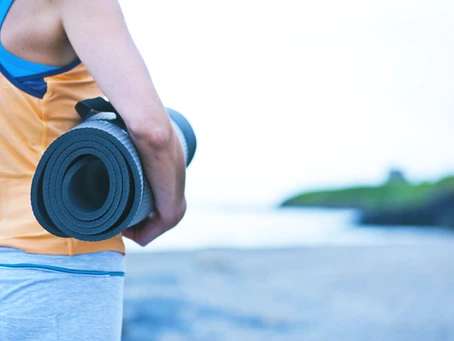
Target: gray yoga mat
<point>89,184</point>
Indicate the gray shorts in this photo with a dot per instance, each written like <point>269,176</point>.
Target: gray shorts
<point>64,298</point>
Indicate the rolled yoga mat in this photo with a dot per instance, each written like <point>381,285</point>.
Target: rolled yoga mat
<point>89,184</point>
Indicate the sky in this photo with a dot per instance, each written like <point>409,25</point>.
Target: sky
<point>287,96</point>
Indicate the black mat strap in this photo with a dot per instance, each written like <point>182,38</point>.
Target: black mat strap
<point>90,107</point>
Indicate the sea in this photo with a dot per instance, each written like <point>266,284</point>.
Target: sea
<point>249,227</point>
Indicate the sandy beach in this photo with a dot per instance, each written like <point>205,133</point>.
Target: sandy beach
<point>374,293</point>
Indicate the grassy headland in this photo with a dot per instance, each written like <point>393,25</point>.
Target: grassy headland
<point>391,203</point>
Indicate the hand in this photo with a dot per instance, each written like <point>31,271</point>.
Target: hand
<point>150,228</point>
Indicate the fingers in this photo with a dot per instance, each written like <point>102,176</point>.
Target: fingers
<point>154,226</point>
<point>146,231</point>
<point>131,232</point>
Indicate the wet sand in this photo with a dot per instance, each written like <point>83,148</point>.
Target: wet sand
<point>322,293</point>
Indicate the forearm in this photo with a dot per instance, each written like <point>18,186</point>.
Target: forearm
<point>164,165</point>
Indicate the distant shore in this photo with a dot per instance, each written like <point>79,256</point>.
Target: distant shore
<point>393,203</point>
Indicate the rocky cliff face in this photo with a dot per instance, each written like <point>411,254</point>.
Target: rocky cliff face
<point>438,210</point>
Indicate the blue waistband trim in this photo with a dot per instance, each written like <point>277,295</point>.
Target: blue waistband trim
<point>64,270</point>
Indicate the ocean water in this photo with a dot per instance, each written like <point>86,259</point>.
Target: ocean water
<point>264,227</point>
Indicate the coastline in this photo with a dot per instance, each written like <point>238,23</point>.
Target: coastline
<point>396,202</point>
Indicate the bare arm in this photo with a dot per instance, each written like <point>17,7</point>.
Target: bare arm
<point>99,36</point>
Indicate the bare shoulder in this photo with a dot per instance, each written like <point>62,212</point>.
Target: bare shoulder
<point>87,20</point>
<point>99,9</point>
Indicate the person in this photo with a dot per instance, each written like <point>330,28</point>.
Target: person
<point>53,54</point>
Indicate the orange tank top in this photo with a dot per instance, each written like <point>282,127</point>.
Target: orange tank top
<point>34,111</point>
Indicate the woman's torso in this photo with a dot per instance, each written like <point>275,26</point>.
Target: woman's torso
<point>36,106</point>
